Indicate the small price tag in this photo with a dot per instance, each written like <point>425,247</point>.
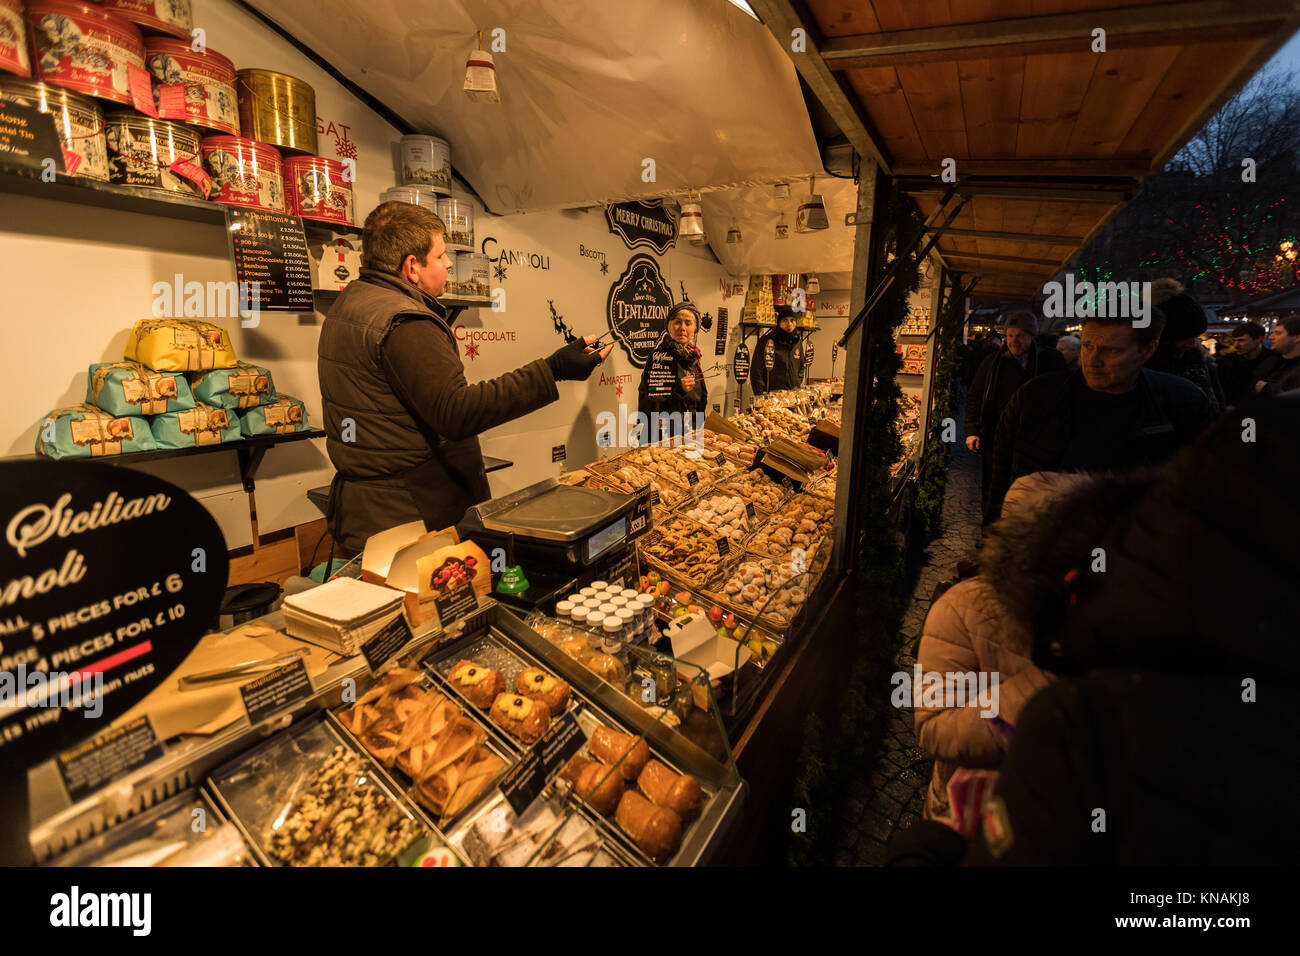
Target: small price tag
<point>195,174</point>
<point>719,460</point>
<point>171,101</point>
<point>692,478</point>
<point>558,453</point>
<point>141,86</point>
<point>749,510</point>
<point>110,756</point>
<point>654,497</point>
<point>381,648</point>
<point>71,161</point>
<point>724,546</point>
<point>276,690</point>
<point>787,484</point>
<point>456,603</point>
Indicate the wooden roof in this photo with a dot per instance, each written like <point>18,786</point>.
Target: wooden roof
<point>1050,138</point>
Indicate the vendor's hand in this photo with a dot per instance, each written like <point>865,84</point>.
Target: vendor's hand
<point>973,442</point>
<point>688,382</point>
<point>576,361</point>
<point>1260,386</point>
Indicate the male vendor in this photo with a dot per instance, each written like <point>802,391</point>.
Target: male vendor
<point>401,420</point>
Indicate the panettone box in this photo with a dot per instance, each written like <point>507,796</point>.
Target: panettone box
<point>179,345</point>
<point>128,388</point>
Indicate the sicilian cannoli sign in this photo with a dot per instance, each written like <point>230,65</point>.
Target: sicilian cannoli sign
<point>648,223</point>
<point>637,308</point>
<point>108,579</point>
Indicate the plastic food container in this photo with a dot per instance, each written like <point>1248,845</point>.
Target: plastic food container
<point>172,17</point>
<point>208,79</point>
<point>147,152</point>
<point>427,160</point>
<point>244,173</point>
<point>84,48</point>
<point>278,109</point>
<point>13,39</point>
<point>315,188</point>
<point>78,119</point>
<point>458,216</point>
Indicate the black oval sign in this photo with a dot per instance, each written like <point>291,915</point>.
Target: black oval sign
<point>108,578</point>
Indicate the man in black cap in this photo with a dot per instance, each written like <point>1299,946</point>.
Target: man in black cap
<point>778,357</point>
<point>996,380</point>
<point>1179,352</point>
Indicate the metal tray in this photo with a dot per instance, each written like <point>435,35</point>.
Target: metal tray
<point>239,786</point>
<point>552,511</point>
<point>589,716</point>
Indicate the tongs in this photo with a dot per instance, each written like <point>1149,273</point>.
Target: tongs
<point>190,681</point>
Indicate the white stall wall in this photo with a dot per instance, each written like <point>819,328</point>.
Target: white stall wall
<point>76,278</point>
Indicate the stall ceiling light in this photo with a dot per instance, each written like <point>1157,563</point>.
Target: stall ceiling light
<point>746,7</point>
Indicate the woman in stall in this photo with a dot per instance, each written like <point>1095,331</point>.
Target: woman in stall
<point>672,382</point>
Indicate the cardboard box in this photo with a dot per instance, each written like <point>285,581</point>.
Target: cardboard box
<point>696,641</point>
<point>390,558</point>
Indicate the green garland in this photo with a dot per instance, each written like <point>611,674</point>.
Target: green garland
<point>857,720</point>
<point>934,470</point>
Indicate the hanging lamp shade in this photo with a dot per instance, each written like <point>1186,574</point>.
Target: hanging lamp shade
<point>481,76</point>
<point>781,191</point>
<point>782,228</point>
<point>733,234</point>
<point>811,216</point>
<point>812,287</point>
<point>691,222</point>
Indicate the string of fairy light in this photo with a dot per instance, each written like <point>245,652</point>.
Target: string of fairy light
<point>1220,256</point>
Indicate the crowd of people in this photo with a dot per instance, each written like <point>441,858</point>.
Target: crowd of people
<point>1133,595</point>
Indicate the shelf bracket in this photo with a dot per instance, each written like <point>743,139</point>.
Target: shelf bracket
<point>250,459</point>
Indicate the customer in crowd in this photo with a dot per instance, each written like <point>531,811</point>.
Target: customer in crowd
<point>1108,414</point>
<point>999,375</point>
<point>1068,346</point>
<point>1169,737</point>
<point>969,630</point>
<point>1179,351</point>
<point>1047,340</point>
<point>1246,364</point>
<point>672,391</point>
<point>1284,340</point>
<point>778,357</point>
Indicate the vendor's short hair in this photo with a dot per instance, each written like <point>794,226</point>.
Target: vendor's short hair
<point>395,230</point>
<point>1291,323</point>
<point>1252,329</point>
<point>1144,336</point>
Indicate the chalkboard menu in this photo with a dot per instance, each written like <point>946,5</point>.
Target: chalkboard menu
<point>270,249</point>
<point>720,344</point>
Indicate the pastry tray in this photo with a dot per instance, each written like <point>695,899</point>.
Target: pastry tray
<point>761,514</point>
<point>589,716</point>
<point>253,786</point>
<point>488,650</point>
<point>494,740</point>
<point>552,511</point>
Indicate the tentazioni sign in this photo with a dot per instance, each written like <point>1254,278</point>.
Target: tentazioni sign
<point>637,308</point>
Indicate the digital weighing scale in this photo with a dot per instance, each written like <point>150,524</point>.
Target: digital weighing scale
<point>561,536</point>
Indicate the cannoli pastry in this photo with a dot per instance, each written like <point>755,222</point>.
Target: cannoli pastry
<point>536,683</point>
<point>679,792</point>
<point>522,716</point>
<point>595,783</point>
<point>478,683</point>
<point>656,830</point>
<point>610,746</point>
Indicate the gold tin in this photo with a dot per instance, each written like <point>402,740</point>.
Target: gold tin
<point>277,109</point>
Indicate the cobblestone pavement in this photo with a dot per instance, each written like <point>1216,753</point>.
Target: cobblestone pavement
<point>890,796</point>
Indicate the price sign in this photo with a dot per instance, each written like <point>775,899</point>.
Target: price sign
<point>270,249</point>
<point>92,621</point>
